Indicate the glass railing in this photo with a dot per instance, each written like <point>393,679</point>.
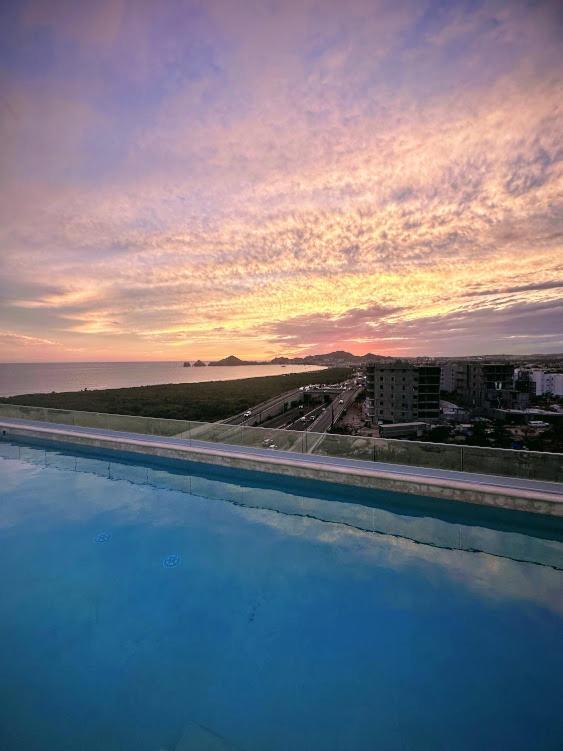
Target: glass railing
<point>506,462</point>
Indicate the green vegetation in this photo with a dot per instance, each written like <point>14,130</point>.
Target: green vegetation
<point>206,402</point>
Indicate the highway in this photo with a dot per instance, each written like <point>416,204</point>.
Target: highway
<point>306,417</point>
<point>273,403</point>
<point>334,411</point>
<point>284,420</point>
<point>276,403</point>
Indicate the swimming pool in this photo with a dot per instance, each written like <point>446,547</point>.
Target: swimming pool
<point>180,606</point>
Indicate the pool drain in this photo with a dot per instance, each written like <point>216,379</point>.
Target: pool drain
<point>102,537</point>
<point>171,560</point>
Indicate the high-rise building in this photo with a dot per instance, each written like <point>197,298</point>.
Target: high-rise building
<point>448,372</point>
<point>547,383</point>
<point>524,383</point>
<point>483,384</point>
<point>400,392</point>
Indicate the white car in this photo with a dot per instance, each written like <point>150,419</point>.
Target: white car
<point>341,401</point>
<point>248,413</point>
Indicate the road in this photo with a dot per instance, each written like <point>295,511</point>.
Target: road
<point>334,411</point>
<point>305,419</point>
<point>276,403</point>
<point>270,404</point>
<point>284,420</point>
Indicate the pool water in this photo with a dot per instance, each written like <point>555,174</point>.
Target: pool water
<point>181,607</point>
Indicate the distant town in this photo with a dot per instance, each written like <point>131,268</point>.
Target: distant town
<point>502,401</point>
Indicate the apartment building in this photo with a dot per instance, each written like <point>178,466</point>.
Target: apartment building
<point>448,371</point>
<point>483,384</point>
<point>400,392</point>
<point>547,383</point>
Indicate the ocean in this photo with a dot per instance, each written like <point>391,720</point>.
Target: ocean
<point>35,378</point>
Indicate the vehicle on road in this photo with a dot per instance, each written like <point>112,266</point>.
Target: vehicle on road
<point>248,413</point>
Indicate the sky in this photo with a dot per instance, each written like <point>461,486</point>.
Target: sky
<point>281,177</point>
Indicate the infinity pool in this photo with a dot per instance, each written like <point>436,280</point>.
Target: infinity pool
<point>168,607</point>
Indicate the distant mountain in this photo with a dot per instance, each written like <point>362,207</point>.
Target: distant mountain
<point>340,357</point>
<point>330,358</point>
<point>199,364</point>
<point>232,360</point>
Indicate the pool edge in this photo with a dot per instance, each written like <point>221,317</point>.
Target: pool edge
<point>466,491</point>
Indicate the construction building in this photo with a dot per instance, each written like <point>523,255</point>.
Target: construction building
<point>399,392</point>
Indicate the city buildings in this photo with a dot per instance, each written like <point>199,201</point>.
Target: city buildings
<point>547,382</point>
<point>486,385</point>
<point>400,392</point>
<point>524,382</point>
<point>448,372</point>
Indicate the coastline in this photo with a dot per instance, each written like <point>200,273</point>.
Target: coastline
<point>44,378</point>
<point>205,401</point>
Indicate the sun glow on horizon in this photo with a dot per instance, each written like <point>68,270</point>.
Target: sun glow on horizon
<point>192,181</point>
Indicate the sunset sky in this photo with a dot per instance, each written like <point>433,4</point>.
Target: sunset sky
<point>194,179</point>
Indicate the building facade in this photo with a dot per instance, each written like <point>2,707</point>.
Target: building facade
<point>486,385</point>
<point>400,392</point>
<point>547,383</point>
<point>448,372</point>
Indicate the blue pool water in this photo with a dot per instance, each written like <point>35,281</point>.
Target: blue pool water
<point>192,609</point>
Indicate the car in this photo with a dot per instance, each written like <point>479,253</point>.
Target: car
<point>248,413</point>
<point>341,401</point>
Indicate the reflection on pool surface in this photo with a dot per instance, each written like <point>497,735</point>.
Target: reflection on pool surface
<point>159,607</point>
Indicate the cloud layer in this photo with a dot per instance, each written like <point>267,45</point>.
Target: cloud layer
<point>191,179</point>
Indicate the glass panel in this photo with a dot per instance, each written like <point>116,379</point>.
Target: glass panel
<point>528,464</point>
<point>270,438</point>
<point>438,455</point>
<point>512,463</point>
<point>164,426</point>
<point>128,423</point>
<point>332,444</point>
<point>91,419</point>
<point>215,432</point>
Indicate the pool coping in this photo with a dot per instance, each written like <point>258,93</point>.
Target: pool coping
<point>489,490</point>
